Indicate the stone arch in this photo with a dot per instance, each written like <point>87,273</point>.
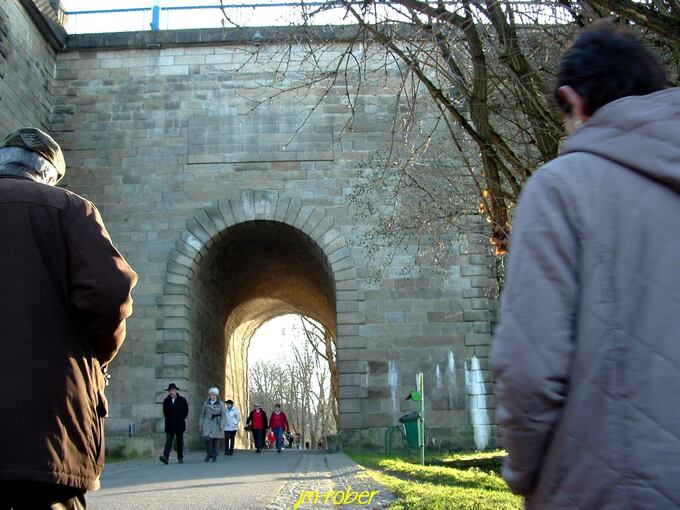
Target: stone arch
<point>207,233</point>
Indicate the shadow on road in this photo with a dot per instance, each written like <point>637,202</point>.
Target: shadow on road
<point>245,480</point>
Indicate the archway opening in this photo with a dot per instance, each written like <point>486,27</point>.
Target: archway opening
<point>251,273</point>
<point>292,362</point>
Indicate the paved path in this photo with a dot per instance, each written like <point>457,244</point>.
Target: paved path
<point>325,481</point>
<point>244,481</point>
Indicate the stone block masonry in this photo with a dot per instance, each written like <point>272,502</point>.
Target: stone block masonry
<point>27,64</point>
<point>229,198</point>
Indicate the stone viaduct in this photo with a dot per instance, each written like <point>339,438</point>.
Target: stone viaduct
<point>233,216</point>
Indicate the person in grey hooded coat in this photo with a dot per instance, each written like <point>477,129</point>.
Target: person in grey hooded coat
<point>210,423</point>
<point>587,353</point>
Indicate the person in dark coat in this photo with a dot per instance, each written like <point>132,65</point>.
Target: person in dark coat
<point>587,352</point>
<point>65,296</point>
<point>257,422</point>
<point>175,410</point>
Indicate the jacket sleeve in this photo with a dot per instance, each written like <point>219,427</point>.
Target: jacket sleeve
<point>265,422</point>
<point>249,420</point>
<point>532,349</point>
<point>100,282</point>
<point>285,422</point>
<point>185,409</point>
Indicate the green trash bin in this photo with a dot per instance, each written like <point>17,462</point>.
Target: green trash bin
<point>411,423</point>
<point>333,443</point>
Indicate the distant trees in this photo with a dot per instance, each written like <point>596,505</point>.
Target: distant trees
<point>300,382</point>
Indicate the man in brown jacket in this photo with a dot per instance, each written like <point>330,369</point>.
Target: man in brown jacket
<point>587,354</point>
<point>64,298</point>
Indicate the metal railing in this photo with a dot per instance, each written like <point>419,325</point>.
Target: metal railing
<point>216,14</point>
<point>150,17</point>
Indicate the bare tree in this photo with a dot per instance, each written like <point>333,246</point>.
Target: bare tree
<point>325,346</point>
<point>301,383</point>
<point>661,17</point>
<point>477,78</point>
<point>473,114</point>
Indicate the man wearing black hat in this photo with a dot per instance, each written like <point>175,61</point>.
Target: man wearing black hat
<point>175,410</point>
<point>65,296</point>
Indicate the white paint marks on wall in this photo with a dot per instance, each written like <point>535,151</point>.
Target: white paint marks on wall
<point>451,379</point>
<point>474,381</point>
<point>438,377</point>
<point>393,381</point>
<point>452,363</point>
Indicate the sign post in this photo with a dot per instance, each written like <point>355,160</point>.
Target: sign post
<point>417,395</point>
<point>421,390</point>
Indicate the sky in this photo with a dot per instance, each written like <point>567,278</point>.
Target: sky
<point>271,342</point>
<point>195,18</point>
<point>212,17</point>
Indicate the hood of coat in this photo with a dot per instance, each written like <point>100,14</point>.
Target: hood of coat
<point>638,132</point>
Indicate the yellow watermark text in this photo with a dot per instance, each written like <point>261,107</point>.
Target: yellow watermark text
<point>341,497</point>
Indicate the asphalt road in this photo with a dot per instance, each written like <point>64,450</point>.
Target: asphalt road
<point>243,481</point>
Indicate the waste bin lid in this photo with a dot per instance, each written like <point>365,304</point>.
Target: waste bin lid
<point>412,416</point>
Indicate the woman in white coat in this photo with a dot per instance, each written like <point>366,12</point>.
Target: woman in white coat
<point>232,419</point>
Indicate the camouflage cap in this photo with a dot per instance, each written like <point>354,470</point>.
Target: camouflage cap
<point>34,140</point>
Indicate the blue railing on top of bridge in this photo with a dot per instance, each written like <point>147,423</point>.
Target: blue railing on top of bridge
<point>156,9</point>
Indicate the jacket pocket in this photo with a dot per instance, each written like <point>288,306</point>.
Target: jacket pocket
<point>102,404</point>
<point>101,411</point>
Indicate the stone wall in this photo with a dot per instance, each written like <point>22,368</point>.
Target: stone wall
<point>26,71</point>
<point>179,149</point>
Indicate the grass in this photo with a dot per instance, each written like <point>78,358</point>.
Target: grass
<point>468,481</point>
<point>121,453</point>
<point>491,460</point>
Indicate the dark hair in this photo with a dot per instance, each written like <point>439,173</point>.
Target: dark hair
<point>605,63</point>
<point>230,401</point>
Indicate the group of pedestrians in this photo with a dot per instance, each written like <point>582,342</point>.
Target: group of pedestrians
<point>218,419</point>
<point>277,426</point>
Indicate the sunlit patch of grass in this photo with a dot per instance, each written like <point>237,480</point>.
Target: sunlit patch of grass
<point>487,460</point>
<point>439,487</point>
